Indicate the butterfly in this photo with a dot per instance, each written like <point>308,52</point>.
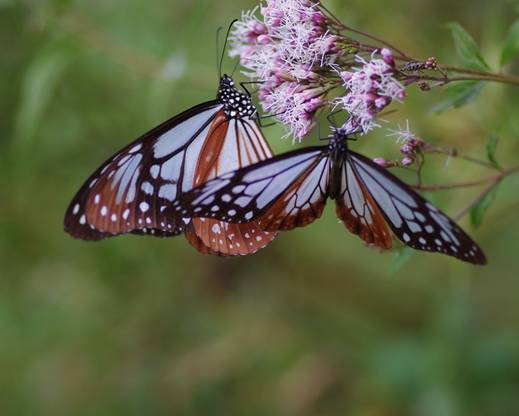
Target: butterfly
<point>137,189</point>
<point>291,190</point>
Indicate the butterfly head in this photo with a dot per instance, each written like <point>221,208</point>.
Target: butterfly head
<point>338,141</point>
<point>235,103</point>
<point>226,81</point>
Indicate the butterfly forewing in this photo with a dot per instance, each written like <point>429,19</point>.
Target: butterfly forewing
<point>134,189</point>
<point>249,193</point>
<point>416,222</point>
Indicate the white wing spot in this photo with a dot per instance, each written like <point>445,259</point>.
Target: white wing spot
<point>147,188</point>
<point>406,237</point>
<point>104,211</point>
<point>143,206</point>
<point>126,213</point>
<point>249,215</point>
<point>154,171</point>
<point>82,220</point>
<point>420,216</point>
<point>413,226</point>
<point>135,148</point>
<point>76,209</point>
<point>113,218</point>
<point>242,201</point>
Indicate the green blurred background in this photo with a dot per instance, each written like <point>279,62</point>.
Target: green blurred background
<point>316,324</point>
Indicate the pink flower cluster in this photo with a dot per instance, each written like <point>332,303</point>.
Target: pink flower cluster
<point>283,50</point>
<point>369,89</point>
<point>295,52</point>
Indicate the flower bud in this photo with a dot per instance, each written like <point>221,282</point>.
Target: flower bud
<point>387,56</point>
<point>382,102</point>
<point>318,18</point>
<point>263,39</point>
<point>406,149</point>
<point>381,162</point>
<point>407,161</point>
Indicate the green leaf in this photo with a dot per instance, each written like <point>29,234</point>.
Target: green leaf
<point>480,209</point>
<point>467,48</point>
<point>492,148</point>
<point>402,257</point>
<point>459,95</point>
<point>38,87</point>
<point>511,48</point>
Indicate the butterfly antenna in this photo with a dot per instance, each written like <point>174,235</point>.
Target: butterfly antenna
<point>218,31</point>
<point>225,46</point>
<point>235,67</point>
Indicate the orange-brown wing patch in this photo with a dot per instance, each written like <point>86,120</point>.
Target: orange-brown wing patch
<point>302,202</point>
<point>211,150</point>
<point>360,213</point>
<point>218,237</point>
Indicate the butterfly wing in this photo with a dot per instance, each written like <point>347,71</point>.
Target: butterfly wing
<point>416,222</point>
<point>281,193</point>
<point>134,189</point>
<point>242,144</point>
<point>358,210</point>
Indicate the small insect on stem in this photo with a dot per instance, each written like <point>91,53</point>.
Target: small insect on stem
<point>430,64</point>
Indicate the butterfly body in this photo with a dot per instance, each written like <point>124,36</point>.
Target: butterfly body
<point>337,153</point>
<point>137,190</point>
<point>291,190</point>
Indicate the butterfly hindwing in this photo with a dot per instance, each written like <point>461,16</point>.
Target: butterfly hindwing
<point>416,222</point>
<point>359,212</point>
<point>242,145</point>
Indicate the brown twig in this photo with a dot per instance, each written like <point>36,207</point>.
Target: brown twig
<point>342,26</point>
<point>476,200</point>
<point>456,154</point>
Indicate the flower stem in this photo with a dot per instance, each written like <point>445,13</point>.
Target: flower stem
<point>342,26</point>
<point>484,76</point>
<point>454,153</point>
